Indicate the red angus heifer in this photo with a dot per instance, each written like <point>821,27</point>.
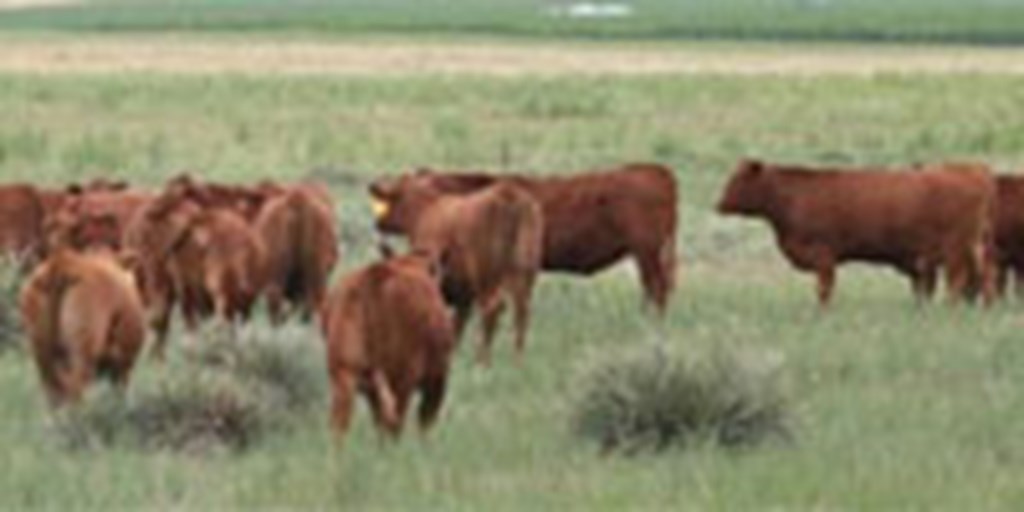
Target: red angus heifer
<point>915,221</point>
<point>488,244</point>
<point>388,335</point>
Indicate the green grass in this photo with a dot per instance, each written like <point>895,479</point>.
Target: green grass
<point>895,406</point>
<point>975,21</point>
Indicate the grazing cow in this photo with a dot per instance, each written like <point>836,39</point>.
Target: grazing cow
<point>84,319</point>
<point>914,221</point>
<point>487,242</point>
<point>208,259</point>
<point>298,230</point>
<point>1009,232</point>
<point>388,335</point>
<point>595,219</point>
<point>23,211</point>
<point>92,218</point>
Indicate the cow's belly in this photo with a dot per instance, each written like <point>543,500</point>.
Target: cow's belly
<point>582,259</point>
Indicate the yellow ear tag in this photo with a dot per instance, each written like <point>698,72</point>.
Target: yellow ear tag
<point>379,207</point>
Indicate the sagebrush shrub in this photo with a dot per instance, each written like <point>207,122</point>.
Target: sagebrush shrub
<point>222,392</point>
<point>652,399</point>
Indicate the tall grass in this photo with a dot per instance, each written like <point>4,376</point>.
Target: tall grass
<point>12,275</point>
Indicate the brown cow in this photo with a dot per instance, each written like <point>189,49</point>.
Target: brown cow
<point>84,319</point>
<point>595,219</point>
<point>208,259</point>
<point>23,211</point>
<point>298,230</point>
<point>94,218</point>
<point>388,335</point>
<point>914,221</point>
<point>488,243</point>
<point>1009,232</point>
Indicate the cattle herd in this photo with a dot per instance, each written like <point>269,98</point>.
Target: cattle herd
<point>109,265</point>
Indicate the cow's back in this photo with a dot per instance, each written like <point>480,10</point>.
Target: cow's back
<point>387,318</point>
<point>590,219</point>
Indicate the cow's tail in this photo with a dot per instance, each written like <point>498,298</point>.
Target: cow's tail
<point>304,220</point>
<point>54,287</point>
<point>522,226</point>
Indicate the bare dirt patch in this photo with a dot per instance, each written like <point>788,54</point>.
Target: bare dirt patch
<point>31,4</point>
<point>206,56</point>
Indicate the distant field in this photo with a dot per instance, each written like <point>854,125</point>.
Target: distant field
<point>973,21</point>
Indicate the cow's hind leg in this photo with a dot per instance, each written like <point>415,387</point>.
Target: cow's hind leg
<point>491,309</point>
<point>462,313</point>
<point>275,304</point>
<point>958,274</point>
<point>521,290</point>
<point>343,390</point>
<point>656,276</point>
<point>76,377</point>
<point>432,392</point>
<point>923,278</point>
<point>383,404</point>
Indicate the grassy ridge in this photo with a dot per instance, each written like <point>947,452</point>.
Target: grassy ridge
<point>974,21</point>
<point>897,407</point>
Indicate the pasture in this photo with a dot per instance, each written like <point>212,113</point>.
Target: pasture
<point>896,406</point>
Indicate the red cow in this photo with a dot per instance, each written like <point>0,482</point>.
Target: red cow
<point>299,232</point>
<point>488,243</point>
<point>84,319</point>
<point>914,221</point>
<point>388,335</point>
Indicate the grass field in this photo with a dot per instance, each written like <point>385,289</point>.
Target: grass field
<point>973,21</point>
<point>896,407</point>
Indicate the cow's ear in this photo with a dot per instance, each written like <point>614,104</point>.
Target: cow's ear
<point>74,189</point>
<point>383,188</point>
<point>423,171</point>
<point>752,167</point>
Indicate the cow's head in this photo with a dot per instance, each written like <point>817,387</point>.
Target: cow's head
<point>398,202</point>
<point>747,192</point>
<point>169,219</point>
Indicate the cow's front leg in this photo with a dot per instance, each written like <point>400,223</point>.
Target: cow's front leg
<point>817,258</point>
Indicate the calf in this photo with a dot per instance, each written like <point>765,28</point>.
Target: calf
<point>84,319</point>
<point>388,335</point>
<point>299,232</point>
<point>488,244</point>
<point>914,221</point>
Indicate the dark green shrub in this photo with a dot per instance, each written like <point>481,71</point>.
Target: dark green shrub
<point>225,392</point>
<point>652,399</point>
